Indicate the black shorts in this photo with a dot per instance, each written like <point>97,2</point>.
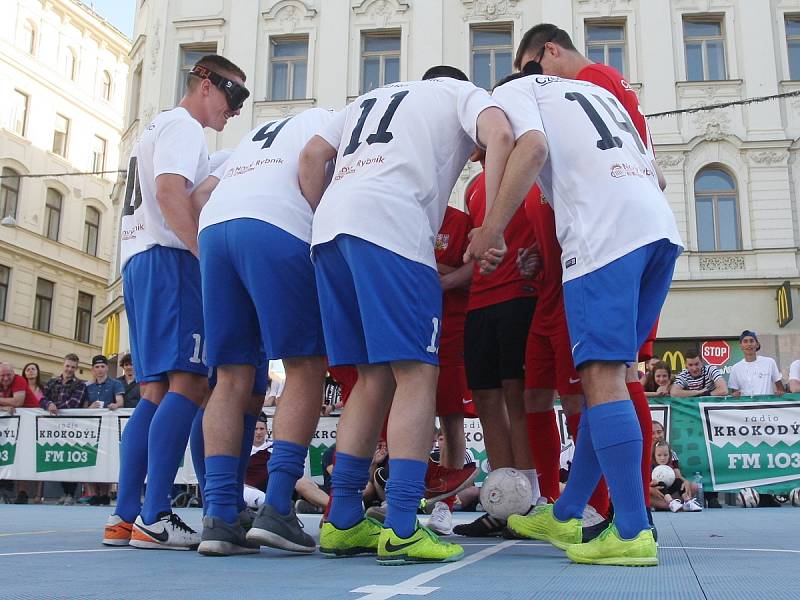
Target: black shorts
<point>494,342</point>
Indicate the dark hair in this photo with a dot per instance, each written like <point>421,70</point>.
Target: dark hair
<point>445,71</point>
<point>38,374</point>
<point>219,65</point>
<point>125,359</point>
<point>72,357</point>
<point>508,78</point>
<point>536,37</point>
<point>660,444</point>
<point>650,380</point>
<point>691,353</point>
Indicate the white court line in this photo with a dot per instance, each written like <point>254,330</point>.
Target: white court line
<point>729,549</point>
<point>413,585</point>
<point>47,531</point>
<point>64,551</point>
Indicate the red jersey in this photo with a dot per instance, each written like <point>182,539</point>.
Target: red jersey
<point>346,377</point>
<point>550,313</point>
<point>451,243</point>
<point>505,283</point>
<point>20,384</point>
<point>612,80</point>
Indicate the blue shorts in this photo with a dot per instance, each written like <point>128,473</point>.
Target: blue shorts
<point>165,313</point>
<point>377,306</point>
<point>611,311</point>
<point>258,292</point>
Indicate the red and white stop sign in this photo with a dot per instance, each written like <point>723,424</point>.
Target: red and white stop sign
<point>716,352</point>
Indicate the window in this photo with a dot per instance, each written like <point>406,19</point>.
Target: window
<point>136,90</point>
<point>68,64</point>
<point>52,213</point>
<point>61,135</point>
<point>288,67</point>
<point>189,56</point>
<point>91,229</point>
<point>704,44</point>
<point>5,276</point>
<point>106,83</point>
<point>605,43</point>
<point>9,193</point>
<point>717,211</point>
<point>28,39</point>
<point>83,317</point>
<point>43,305</point>
<point>793,45</point>
<point>492,51</point>
<point>98,154</point>
<point>18,119</point>
<point>380,59</point>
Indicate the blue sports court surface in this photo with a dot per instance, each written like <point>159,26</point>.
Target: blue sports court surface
<point>49,552</point>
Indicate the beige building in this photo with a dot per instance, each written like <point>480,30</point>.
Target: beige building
<point>63,77</point>
<point>732,172</point>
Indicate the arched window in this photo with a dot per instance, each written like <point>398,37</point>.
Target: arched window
<point>9,193</point>
<point>106,85</point>
<point>68,64</point>
<point>52,213</point>
<point>28,40</point>
<point>717,209</point>
<point>91,230</point>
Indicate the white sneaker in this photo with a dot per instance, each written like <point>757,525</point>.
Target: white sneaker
<point>676,505</point>
<point>441,520</point>
<point>168,533</point>
<point>692,506</point>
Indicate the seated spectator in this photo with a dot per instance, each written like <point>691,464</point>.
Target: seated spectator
<point>698,379</point>
<point>65,391</point>
<point>131,393</point>
<point>755,375</point>
<point>794,377</point>
<point>658,381</point>
<point>33,375</point>
<point>662,496</point>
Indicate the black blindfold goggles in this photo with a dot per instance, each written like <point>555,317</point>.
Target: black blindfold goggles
<point>235,93</point>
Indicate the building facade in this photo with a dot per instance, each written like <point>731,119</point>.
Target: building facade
<point>732,172</point>
<point>63,78</point>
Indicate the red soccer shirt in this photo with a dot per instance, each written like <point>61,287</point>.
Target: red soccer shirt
<point>505,283</point>
<point>451,243</point>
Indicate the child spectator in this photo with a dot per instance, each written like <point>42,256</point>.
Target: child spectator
<point>662,495</point>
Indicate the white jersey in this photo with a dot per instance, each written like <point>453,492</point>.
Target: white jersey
<point>400,150</point>
<point>755,378</point>
<point>598,177</point>
<point>259,180</point>
<point>216,162</point>
<point>172,143</point>
<point>794,371</point>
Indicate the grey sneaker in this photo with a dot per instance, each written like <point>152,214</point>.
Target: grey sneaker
<point>223,539</point>
<point>278,531</point>
<point>304,507</point>
<point>246,518</point>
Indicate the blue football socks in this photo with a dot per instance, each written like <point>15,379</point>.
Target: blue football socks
<point>221,490</point>
<point>285,468</point>
<point>404,489</point>
<point>350,477</point>
<point>133,461</point>
<point>583,476</point>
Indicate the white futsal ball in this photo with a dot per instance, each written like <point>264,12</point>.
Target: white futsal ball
<point>664,474</point>
<point>506,492</point>
<point>749,497</point>
<point>794,497</point>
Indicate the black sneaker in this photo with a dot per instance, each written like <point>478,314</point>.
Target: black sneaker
<point>652,525</point>
<point>278,531</point>
<point>22,497</point>
<point>712,500</point>
<point>768,501</point>
<point>484,526</point>
<point>223,539</point>
<point>592,531</point>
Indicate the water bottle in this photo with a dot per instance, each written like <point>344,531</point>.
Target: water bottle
<point>698,482</point>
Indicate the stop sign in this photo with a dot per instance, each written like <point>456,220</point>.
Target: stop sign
<point>716,352</point>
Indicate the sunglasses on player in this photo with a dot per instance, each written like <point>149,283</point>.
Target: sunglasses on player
<point>235,93</point>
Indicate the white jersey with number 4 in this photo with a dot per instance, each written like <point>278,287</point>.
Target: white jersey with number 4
<point>259,180</point>
<point>400,150</point>
<point>173,143</point>
<point>599,177</point>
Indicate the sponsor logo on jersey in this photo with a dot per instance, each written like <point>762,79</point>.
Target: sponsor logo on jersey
<point>619,170</point>
<point>442,241</point>
<point>570,263</point>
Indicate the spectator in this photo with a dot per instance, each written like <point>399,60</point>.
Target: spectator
<point>103,392</point>
<point>33,375</point>
<point>755,375</point>
<point>794,377</point>
<point>658,380</point>
<point>698,379</point>
<point>661,495</point>
<point>130,387</point>
<point>65,391</point>
<point>14,390</point>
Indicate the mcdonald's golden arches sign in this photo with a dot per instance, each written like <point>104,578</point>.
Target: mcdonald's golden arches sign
<point>783,297</point>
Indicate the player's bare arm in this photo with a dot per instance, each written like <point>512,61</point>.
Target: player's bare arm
<point>524,165</point>
<point>202,192</point>
<point>456,278</point>
<point>312,174</point>
<point>176,206</point>
<point>494,134</point>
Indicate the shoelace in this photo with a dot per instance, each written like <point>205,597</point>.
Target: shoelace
<point>176,522</point>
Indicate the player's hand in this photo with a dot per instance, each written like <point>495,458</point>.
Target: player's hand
<point>488,252</point>
<point>529,261</point>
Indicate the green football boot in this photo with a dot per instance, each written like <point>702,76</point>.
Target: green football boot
<point>360,539</point>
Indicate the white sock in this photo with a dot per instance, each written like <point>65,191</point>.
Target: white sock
<point>533,478</point>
